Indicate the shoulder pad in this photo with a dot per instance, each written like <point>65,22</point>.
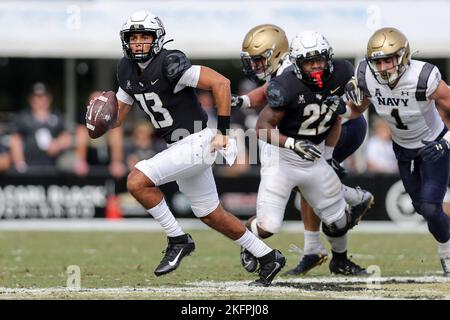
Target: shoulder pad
<point>422,83</point>
<point>361,77</point>
<point>124,67</point>
<point>276,97</point>
<point>349,68</point>
<point>175,64</point>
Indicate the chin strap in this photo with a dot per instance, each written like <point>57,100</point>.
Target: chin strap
<point>317,75</point>
<point>167,42</point>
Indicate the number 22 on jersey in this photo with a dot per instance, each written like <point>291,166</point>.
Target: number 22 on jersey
<point>312,125</point>
<point>156,106</point>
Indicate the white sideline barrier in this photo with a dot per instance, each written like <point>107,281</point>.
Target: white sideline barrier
<point>187,224</point>
<point>90,29</point>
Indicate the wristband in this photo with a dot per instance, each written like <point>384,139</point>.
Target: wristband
<point>223,124</point>
<point>289,144</point>
<point>246,101</point>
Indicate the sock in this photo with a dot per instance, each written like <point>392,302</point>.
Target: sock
<point>328,152</point>
<point>162,214</point>
<point>444,249</point>
<point>254,245</point>
<point>312,245</point>
<point>338,244</point>
<point>351,195</point>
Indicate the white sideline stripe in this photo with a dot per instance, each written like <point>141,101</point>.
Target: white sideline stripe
<point>188,224</point>
<point>227,287</point>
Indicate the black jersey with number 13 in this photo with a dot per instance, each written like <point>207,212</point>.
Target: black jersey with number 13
<point>153,90</point>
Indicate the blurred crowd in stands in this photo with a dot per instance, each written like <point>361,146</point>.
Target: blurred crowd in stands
<point>38,141</point>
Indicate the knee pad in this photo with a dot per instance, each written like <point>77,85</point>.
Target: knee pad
<point>334,231</point>
<point>430,210</point>
<point>269,226</point>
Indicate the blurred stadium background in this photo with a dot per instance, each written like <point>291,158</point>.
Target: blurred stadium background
<point>72,47</point>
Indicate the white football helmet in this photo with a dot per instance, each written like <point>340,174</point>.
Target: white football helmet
<point>142,22</point>
<point>310,45</point>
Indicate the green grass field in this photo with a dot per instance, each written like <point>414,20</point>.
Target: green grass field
<point>120,265</point>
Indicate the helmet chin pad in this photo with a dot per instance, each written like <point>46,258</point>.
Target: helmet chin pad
<point>317,76</point>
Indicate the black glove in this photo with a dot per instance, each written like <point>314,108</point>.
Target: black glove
<point>433,150</point>
<point>305,149</point>
<point>336,104</point>
<point>340,170</point>
<point>353,93</point>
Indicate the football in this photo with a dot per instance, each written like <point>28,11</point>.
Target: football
<point>101,114</point>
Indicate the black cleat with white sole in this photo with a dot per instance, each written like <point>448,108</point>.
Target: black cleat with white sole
<point>341,264</point>
<point>176,250</point>
<point>248,261</point>
<point>269,266</point>
<point>307,262</point>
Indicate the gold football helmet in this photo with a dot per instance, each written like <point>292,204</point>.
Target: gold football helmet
<point>262,50</point>
<point>388,43</point>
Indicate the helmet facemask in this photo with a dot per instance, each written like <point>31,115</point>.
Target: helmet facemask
<point>383,76</point>
<point>257,67</point>
<point>316,77</point>
<point>138,57</point>
<point>145,23</point>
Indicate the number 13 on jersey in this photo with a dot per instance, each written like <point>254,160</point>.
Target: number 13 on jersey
<point>156,106</point>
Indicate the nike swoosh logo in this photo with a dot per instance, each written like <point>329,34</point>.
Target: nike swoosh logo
<point>333,91</point>
<point>174,261</point>
<point>153,82</point>
<point>275,269</point>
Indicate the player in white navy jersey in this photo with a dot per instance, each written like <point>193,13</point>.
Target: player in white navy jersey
<point>405,92</point>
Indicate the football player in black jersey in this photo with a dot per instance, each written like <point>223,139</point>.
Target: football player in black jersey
<point>300,104</point>
<point>162,84</point>
<point>265,55</point>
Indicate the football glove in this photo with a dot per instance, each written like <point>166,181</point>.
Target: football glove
<point>336,104</point>
<point>433,150</point>
<point>353,92</point>
<point>304,148</point>
<point>340,170</point>
<point>240,101</point>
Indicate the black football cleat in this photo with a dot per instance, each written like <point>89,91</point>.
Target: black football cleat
<point>306,263</point>
<point>248,261</point>
<point>445,262</point>
<point>356,212</point>
<point>176,250</point>
<point>269,266</point>
<point>341,264</point>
